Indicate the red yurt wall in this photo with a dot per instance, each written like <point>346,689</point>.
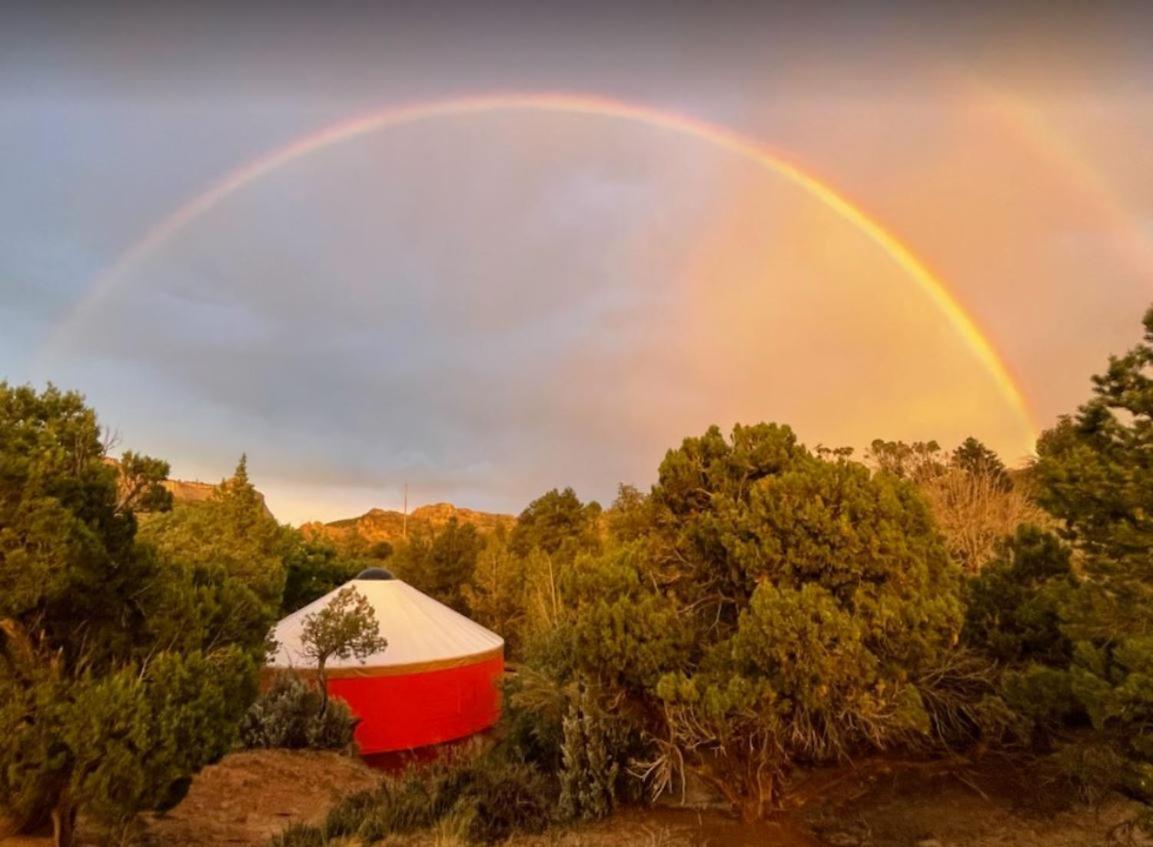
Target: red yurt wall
<point>402,711</point>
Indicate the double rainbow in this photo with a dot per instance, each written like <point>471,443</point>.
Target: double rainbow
<point>717,136</point>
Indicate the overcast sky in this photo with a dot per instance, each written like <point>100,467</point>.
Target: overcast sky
<point>488,306</point>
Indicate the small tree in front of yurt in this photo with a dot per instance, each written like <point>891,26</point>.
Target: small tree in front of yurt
<point>345,628</point>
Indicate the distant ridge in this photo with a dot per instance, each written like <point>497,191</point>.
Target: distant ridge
<point>378,525</point>
<point>185,491</point>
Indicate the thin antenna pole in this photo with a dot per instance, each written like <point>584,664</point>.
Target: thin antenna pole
<point>404,530</point>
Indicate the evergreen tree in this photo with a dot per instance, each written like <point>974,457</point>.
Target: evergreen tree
<point>232,552</point>
<point>109,697</point>
<point>918,462</point>
<point>443,564</point>
<point>1014,606</point>
<point>497,594</point>
<point>975,458</point>
<point>556,521</point>
<point>315,566</point>
<point>1095,474</point>
<point>782,606</point>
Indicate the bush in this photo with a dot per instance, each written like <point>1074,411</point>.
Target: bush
<point>415,800</point>
<point>1014,606</point>
<point>485,799</point>
<point>507,797</point>
<point>288,715</point>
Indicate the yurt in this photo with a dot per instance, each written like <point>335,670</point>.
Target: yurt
<point>436,681</point>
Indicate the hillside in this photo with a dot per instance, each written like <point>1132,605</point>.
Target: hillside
<point>188,491</point>
<point>378,525</point>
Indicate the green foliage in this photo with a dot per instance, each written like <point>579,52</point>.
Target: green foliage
<point>593,763</point>
<point>414,800</point>
<point>113,689</point>
<point>612,629</point>
<point>761,509</point>
<point>532,719</point>
<point>630,517</point>
<point>975,458</point>
<point>229,536</point>
<point>494,797</point>
<point>313,567</point>
<point>225,557</point>
<point>496,596</point>
<point>443,563</point>
<point>166,709</point>
<point>67,552</point>
<point>1014,605</point>
<point>506,798</point>
<point>1095,474</point>
<point>556,522</point>
<point>288,715</point>
<point>345,628</point>
<point>917,462</point>
<point>1042,694</point>
<point>973,499</point>
<point>140,484</point>
<point>774,605</point>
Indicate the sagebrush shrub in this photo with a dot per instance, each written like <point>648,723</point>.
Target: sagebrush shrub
<point>588,778</point>
<point>288,715</point>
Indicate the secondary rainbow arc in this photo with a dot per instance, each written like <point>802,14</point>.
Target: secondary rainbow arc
<point>719,136</point>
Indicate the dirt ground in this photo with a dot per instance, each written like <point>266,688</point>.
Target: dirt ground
<point>252,795</point>
<point>248,797</point>
<point>998,802</point>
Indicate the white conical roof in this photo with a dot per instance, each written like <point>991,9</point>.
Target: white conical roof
<point>421,632</point>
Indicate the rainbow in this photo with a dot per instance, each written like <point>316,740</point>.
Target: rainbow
<point>1031,124</point>
<point>571,104</point>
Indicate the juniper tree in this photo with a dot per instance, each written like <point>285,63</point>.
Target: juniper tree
<point>554,522</point>
<point>442,563</point>
<point>112,693</point>
<point>781,606</point>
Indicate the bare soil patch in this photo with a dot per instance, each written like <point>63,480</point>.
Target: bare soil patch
<point>252,795</point>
